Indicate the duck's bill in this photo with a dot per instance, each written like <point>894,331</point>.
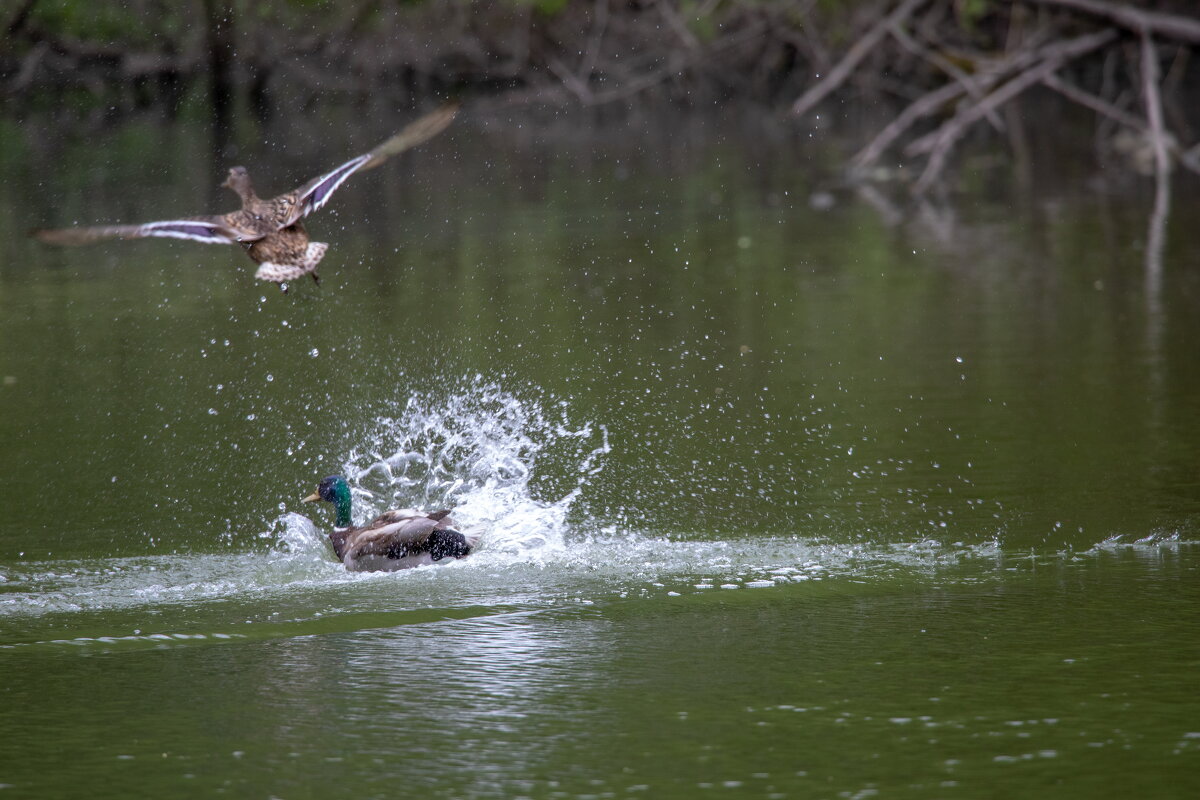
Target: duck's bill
<point>312,498</point>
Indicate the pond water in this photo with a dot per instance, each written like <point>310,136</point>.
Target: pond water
<point>781,494</point>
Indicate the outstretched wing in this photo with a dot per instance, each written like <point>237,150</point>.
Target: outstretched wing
<point>412,135</point>
<point>209,230</point>
<point>316,193</point>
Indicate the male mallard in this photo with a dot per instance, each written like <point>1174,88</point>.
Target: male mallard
<point>393,540</point>
<point>270,230</point>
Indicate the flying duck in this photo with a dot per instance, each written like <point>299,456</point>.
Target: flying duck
<point>270,230</point>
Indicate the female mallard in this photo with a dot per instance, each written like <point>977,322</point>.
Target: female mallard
<point>395,539</point>
<point>270,230</point>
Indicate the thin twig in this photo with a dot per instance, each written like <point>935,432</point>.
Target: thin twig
<point>1049,59</point>
<point>674,66</point>
<point>573,82</point>
<point>676,23</point>
<point>1097,104</point>
<point>917,110</point>
<point>940,142</point>
<point>595,37</point>
<point>935,100</point>
<point>18,18</point>
<point>854,56</point>
<point>1179,68</point>
<point>945,65</point>
<point>1190,159</point>
<point>1157,23</point>
<point>29,66</point>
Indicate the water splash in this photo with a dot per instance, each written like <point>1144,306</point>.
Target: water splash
<point>514,467</point>
<point>510,467</point>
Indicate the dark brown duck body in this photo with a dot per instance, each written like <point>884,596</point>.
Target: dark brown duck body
<point>395,539</point>
<point>400,540</point>
<point>287,254</point>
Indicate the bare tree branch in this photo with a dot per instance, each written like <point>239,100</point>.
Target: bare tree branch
<point>667,8</point>
<point>1097,104</point>
<point>945,65</point>
<point>599,25</point>
<point>29,65</point>
<point>854,56</point>
<point>917,110</point>
<point>1170,26</point>
<point>17,19</point>
<point>939,143</point>
<point>932,102</point>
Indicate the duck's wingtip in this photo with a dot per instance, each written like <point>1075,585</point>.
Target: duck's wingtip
<point>57,236</point>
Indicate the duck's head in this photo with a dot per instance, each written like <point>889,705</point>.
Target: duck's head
<point>239,181</point>
<point>336,490</point>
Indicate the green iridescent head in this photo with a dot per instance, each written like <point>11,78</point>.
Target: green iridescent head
<point>336,490</point>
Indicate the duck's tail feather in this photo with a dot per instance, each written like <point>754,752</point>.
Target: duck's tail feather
<point>274,271</point>
<point>314,254</point>
<point>279,273</point>
<point>449,543</point>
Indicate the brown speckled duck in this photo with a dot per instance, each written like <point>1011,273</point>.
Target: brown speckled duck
<point>270,230</point>
<point>393,540</point>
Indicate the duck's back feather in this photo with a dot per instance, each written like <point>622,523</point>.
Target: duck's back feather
<point>401,539</point>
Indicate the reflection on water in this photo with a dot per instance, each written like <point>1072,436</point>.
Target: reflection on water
<point>300,590</point>
<point>995,669</point>
<point>744,360</point>
<point>776,501</point>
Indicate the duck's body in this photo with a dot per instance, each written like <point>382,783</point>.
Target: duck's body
<point>286,255</point>
<point>270,230</point>
<point>393,540</point>
<point>399,540</point>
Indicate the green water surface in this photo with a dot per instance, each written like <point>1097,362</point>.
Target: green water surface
<point>777,500</point>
